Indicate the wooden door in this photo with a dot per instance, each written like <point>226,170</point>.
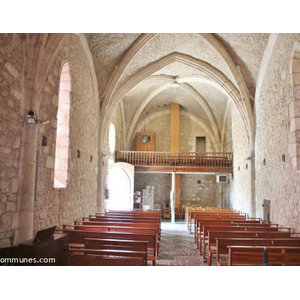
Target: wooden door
<point>145,141</point>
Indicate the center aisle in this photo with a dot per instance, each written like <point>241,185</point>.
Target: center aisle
<point>177,247</point>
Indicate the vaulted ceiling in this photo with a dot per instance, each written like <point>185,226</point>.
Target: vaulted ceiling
<point>201,72</point>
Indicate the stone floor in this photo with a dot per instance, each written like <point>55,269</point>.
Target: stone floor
<point>177,247</point>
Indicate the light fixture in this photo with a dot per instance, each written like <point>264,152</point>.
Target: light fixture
<point>32,118</point>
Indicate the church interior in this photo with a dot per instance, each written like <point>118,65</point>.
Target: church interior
<point>164,123</point>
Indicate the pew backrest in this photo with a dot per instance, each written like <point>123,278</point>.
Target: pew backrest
<point>254,255</point>
<point>100,257</point>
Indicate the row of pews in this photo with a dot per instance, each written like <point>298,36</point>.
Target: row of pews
<point>115,238</point>
<point>226,237</point>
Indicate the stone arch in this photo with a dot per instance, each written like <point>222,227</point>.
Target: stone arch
<point>215,75</point>
<point>169,81</point>
<point>243,101</point>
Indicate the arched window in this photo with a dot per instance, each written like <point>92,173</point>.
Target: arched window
<point>62,133</point>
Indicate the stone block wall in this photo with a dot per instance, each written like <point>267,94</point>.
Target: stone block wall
<point>240,187</point>
<point>17,154</point>
<point>78,199</point>
<point>12,116</point>
<point>199,190</point>
<point>160,184</point>
<point>189,131</point>
<point>148,197</point>
<point>277,180</point>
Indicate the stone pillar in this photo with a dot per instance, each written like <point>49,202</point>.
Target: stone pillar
<point>26,194</point>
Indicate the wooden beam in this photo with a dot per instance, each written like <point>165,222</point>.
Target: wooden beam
<point>179,169</point>
<point>175,130</point>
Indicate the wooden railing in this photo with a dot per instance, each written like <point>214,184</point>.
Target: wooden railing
<point>175,159</point>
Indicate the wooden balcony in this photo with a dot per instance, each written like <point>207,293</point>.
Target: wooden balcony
<point>180,162</point>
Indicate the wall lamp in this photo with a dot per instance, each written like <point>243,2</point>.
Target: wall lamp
<point>32,118</point>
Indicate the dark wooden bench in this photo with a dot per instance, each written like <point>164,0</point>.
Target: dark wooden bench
<point>204,237</point>
<point>223,243</point>
<point>231,219</point>
<point>229,222</point>
<point>254,255</point>
<point>214,235</point>
<point>77,239</point>
<point>123,219</point>
<point>222,214</point>
<point>118,228</point>
<point>125,224</point>
<point>107,257</point>
<point>117,244</point>
<point>148,213</point>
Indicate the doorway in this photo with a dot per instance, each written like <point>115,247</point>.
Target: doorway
<point>121,182</point>
<point>201,144</point>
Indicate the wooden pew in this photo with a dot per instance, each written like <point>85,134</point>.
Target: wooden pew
<point>217,212</point>
<point>118,244</point>
<point>206,229</point>
<point>223,243</point>
<point>253,255</point>
<point>77,239</point>
<point>138,245</point>
<point>122,223</point>
<point>118,228</point>
<point>123,219</point>
<point>220,217</point>
<point>107,257</point>
<point>134,213</point>
<point>213,236</point>
<point>226,222</point>
<point>212,214</point>
<point>148,217</point>
<point>123,216</point>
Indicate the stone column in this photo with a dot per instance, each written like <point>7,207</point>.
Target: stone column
<point>26,195</point>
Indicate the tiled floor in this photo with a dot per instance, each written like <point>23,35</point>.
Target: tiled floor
<point>177,247</point>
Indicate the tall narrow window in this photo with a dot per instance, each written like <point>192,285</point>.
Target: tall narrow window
<point>112,138</point>
<point>62,134</point>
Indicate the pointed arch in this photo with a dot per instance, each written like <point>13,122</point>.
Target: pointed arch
<point>240,96</point>
<point>214,74</point>
<point>190,90</point>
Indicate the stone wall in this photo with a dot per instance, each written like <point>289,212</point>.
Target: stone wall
<point>277,180</point>
<point>199,190</point>
<point>12,114</point>
<point>189,131</point>
<point>78,199</point>
<point>240,183</point>
<point>161,184</point>
<point>148,197</point>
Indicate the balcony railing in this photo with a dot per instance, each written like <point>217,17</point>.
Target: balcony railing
<point>175,159</point>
